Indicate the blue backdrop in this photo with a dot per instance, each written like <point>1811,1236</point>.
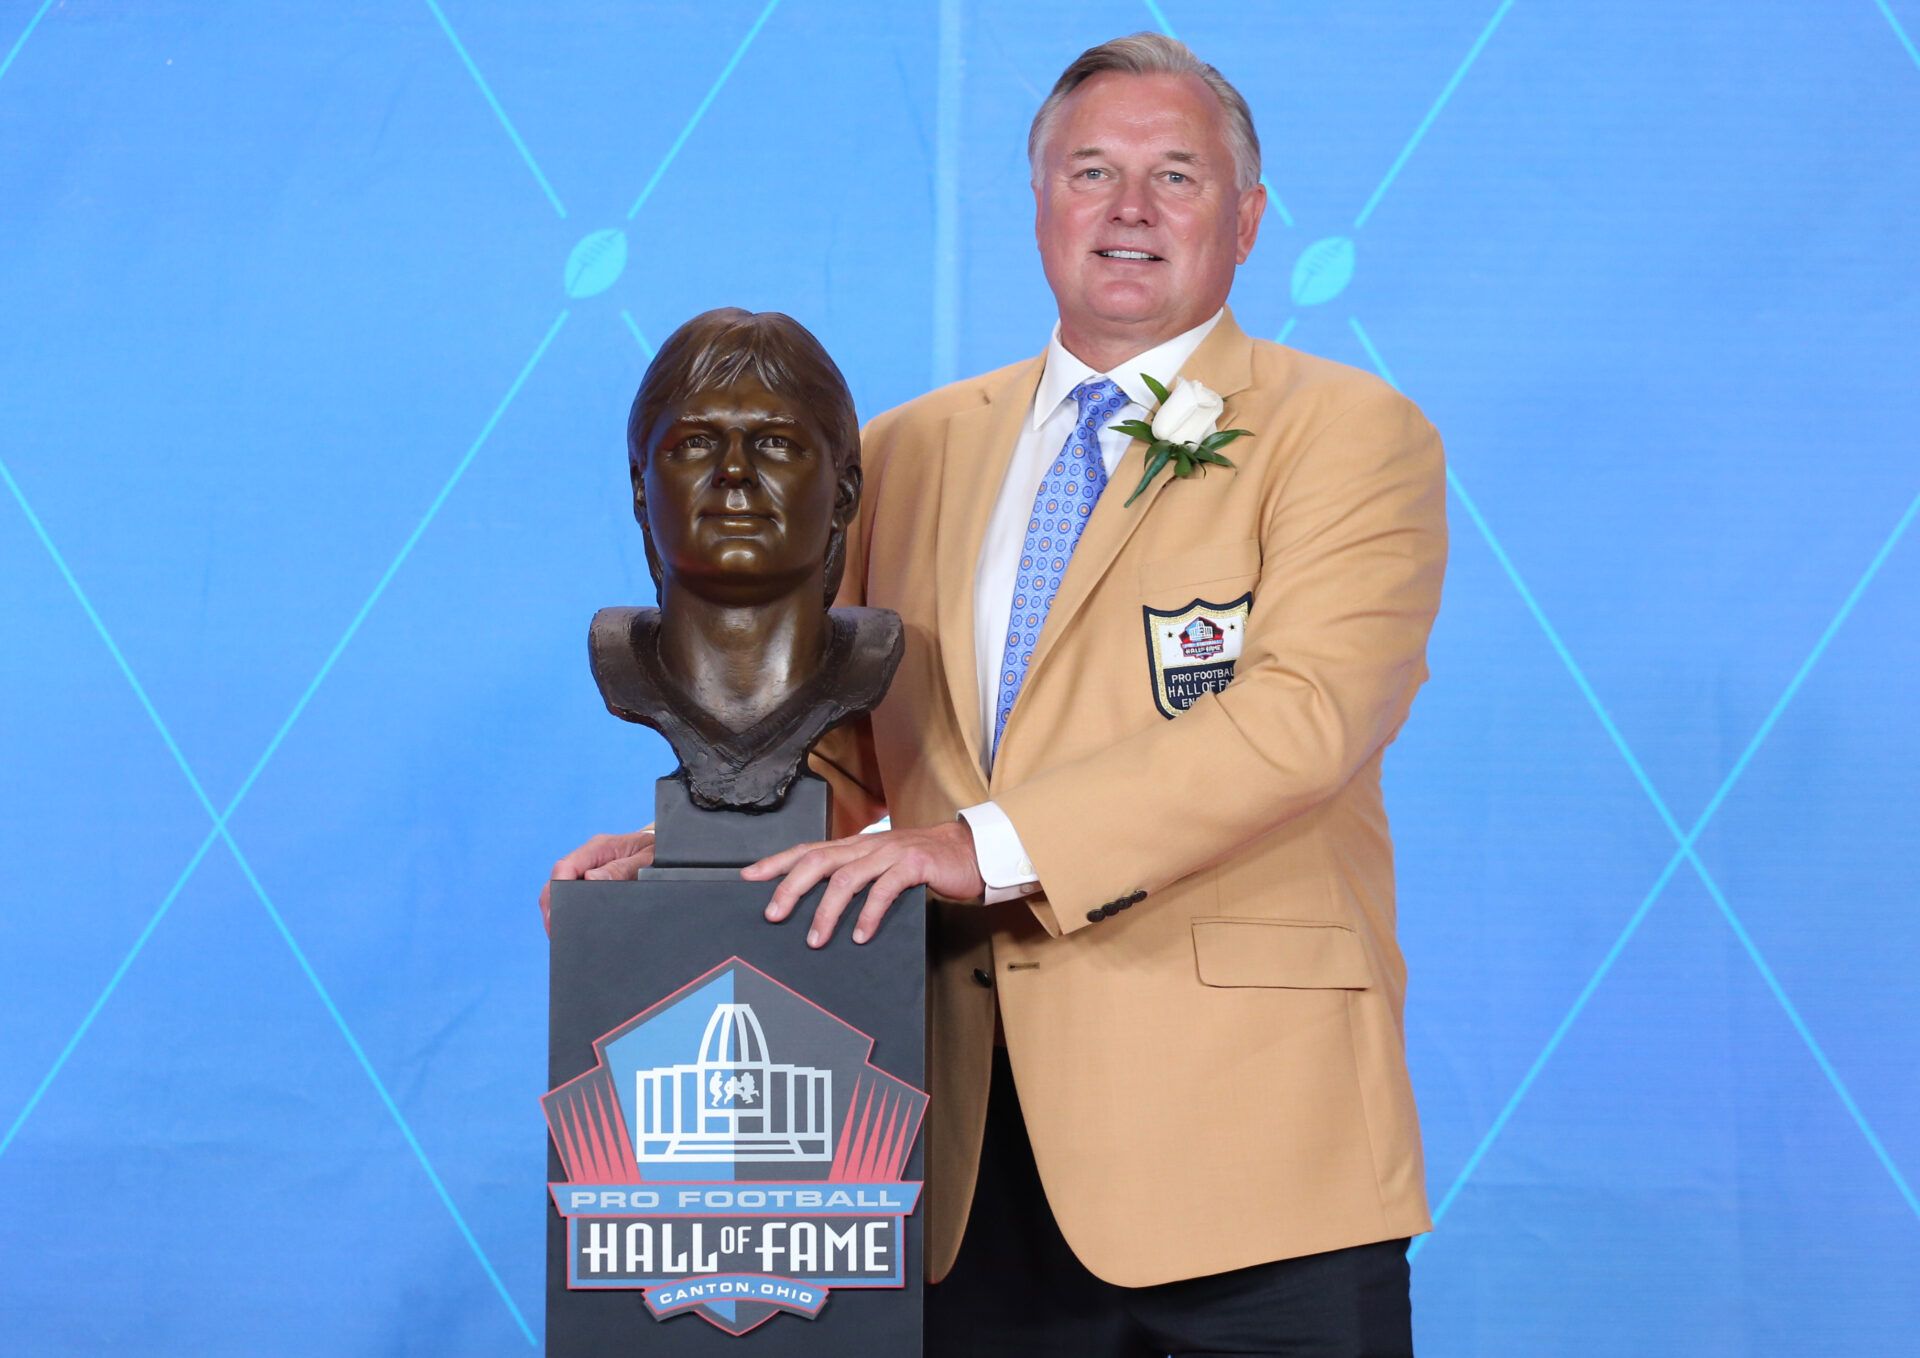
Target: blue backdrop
<point>317,329</point>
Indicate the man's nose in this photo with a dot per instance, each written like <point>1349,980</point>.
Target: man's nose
<point>1133,204</point>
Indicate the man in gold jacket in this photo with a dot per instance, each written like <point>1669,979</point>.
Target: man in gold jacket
<point>1137,744</point>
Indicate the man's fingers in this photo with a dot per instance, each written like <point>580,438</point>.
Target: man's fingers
<point>779,864</point>
<point>602,858</point>
<point>846,883</point>
<point>622,869</point>
<point>600,851</point>
<point>596,852</point>
<point>805,873</point>
<point>817,862</point>
<point>880,898</point>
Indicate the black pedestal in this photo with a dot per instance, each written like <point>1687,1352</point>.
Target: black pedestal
<point>686,836</point>
<point>659,986</point>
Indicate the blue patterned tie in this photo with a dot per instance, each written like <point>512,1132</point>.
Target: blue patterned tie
<point>1060,514</point>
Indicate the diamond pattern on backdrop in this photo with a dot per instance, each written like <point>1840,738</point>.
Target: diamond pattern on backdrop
<point>220,833</point>
<point>963,43</point>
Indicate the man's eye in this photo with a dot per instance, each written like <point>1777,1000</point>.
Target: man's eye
<point>1093,172</point>
<point>694,443</point>
<point>1175,177</point>
<point>776,443</point>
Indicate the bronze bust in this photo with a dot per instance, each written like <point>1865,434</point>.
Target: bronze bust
<point>745,456</point>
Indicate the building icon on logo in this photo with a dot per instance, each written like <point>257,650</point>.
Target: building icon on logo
<point>1201,639</point>
<point>733,1102</point>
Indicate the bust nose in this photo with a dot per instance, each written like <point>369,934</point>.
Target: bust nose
<point>735,464</point>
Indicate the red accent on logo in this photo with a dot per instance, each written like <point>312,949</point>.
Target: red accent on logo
<point>1200,639</point>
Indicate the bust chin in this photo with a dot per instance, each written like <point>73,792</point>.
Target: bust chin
<point>751,769</point>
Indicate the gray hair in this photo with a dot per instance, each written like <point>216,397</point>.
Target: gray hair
<point>1153,54</point>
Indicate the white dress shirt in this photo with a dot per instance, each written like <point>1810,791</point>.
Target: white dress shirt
<point>1004,865</point>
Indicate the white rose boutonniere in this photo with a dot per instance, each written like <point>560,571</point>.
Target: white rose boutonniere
<point>1182,432</point>
<point>1188,413</point>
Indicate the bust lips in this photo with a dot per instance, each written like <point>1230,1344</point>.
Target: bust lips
<point>737,511</point>
<point>728,520</point>
<point>739,540</point>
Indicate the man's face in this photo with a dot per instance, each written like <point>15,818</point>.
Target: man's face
<point>1139,220</point>
<point>739,495</point>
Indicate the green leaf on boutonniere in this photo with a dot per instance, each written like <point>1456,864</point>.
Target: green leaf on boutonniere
<point>1156,459</point>
<point>1214,442</point>
<point>1186,458</point>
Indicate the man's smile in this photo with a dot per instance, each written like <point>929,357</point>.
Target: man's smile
<point>1119,253</point>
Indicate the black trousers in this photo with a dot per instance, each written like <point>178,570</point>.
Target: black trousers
<point>1017,1289</point>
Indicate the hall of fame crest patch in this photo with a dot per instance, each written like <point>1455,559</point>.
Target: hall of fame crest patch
<point>1192,650</point>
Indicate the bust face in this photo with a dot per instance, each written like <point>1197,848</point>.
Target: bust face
<point>738,496</point>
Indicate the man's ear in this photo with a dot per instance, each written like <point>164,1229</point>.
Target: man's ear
<point>1253,203</point>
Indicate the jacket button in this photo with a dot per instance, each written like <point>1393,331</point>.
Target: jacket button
<point>1095,915</point>
<point>980,975</point>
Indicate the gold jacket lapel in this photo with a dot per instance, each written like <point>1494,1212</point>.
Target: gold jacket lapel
<point>979,446</point>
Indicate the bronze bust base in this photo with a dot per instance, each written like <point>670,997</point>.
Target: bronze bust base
<point>749,770</point>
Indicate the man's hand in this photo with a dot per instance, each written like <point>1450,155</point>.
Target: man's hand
<point>604,858</point>
<point>940,858</point>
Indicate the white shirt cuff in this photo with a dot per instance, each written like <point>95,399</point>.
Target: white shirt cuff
<point>1004,865</point>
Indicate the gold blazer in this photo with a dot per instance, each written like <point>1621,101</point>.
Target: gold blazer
<point>1204,1009</point>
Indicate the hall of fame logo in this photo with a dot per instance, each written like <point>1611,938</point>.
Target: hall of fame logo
<point>1192,650</point>
<point>733,1153</point>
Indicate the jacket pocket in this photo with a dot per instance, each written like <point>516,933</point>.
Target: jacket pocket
<point>1198,565</point>
<point>1296,954</point>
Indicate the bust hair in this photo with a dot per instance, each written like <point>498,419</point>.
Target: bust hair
<point>719,347</point>
<point>1153,54</point>
<point>716,349</point>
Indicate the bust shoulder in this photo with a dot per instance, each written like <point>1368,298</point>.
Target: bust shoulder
<point>749,770</point>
